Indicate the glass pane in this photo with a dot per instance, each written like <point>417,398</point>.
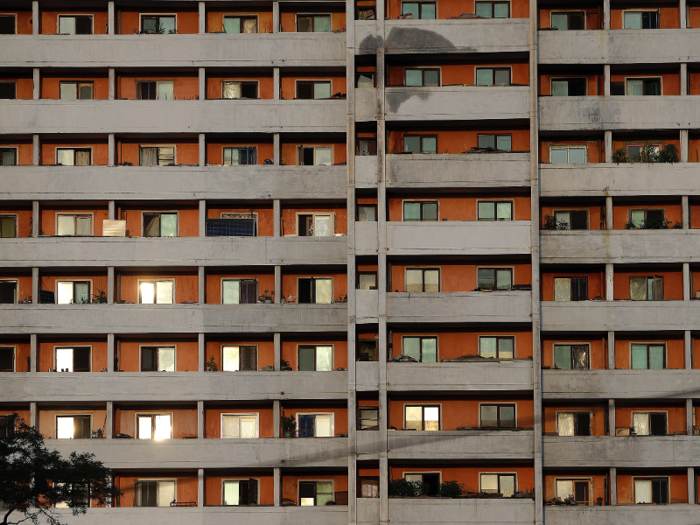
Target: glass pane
<point>483,9</point>
<point>166,359</point>
<point>232,25</point>
<point>64,359</point>
<point>166,493</point>
<point>562,289</point>
<point>559,156</point>
<point>489,483</point>
<point>164,292</point>
<point>656,357</point>
<point>83,226</point>
<point>507,416</point>
<point>563,219</point>
<point>486,278</point>
<point>414,280</point>
<point>637,218</point>
<point>639,357</point>
<point>577,155</point>
<point>431,417</point>
<point>429,145</point>
<point>66,25</point>
<point>641,424</point>
<point>633,20</point>
<point>411,211</point>
<point>82,292</point>
<point>505,348</point>
<point>165,91</point>
<point>324,358</point>
<point>168,225</point>
<point>411,347</point>
<point>430,211</point>
<point>166,156</point>
<point>565,489</point>
<point>487,347</point>
<point>484,77</point>
<point>64,428</point>
<point>8,158</point>
<point>230,426</point>
<point>560,88</point>
<point>410,8</point>
<point>559,21</point>
<point>503,279</point>
<point>148,293</point>
<point>414,418</point>
<point>504,211</point>
<point>487,141</point>
<point>431,77</point>
<point>324,291</point>
<point>82,157</point>
<point>167,24</point>
<point>411,143</point>
<point>65,292</point>
<point>66,225</point>
<point>367,213</point>
<point>144,427</point>
<point>322,225</point>
<point>231,358</point>
<point>149,25</point>
<point>307,359</point>
<point>231,492</point>
<point>431,280</point>
<point>507,485</point>
<point>163,427</point>
<point>565,424</point>
<point>248,425</point>
<point>562,357</point>
<point>324,426</point>
<point>250,25</point>
<point>68,91</point>
<point>503,143</point>
<point>427,11</point>
<point>232,292</point>
<point>502,77</point>
<point>635,87</point>
<point>8,227</point>
<point>65,157</point>
<point>642,491</point>
<point>489,416</point>
<point>429,350</point>
<point>324,492</point>
<point>323,157</point>
<point>487,211</point>
<point>322,90</point>
<point>500,10</point>
<point>580,357</point>
<point>322,24</point>
<point>232,90</point>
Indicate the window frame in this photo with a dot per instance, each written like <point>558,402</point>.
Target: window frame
<point>498,338</point>
<point>159,146</point>
<point>157,83</point>
<point>499,474</point>
<point>568,13</point>
<point>645,79</point>
<point>13,348</point>
<point>77,84</point>
<point>648,413</point>
<point>158,15</point>
<point>422,203</point>
<point>586,211</point>
<point>299,481</point>
<point>313,278</point>
<point>140,480</point>
<point>16,281</point>
<point>241,17</point>
<point>331,414</point>
<point>159,212</point>
<point>71,15</point>
<point>422,137</point>
<point>646,213</point>
<point>315,347</point>
<point>221,353</point>
<point>14,83</point>
<point>301,147</point>
<point>571,356</point>
<point>498,414</point>
<point>554,79</point>
<point>641,11</point>
<point>648,278</point>
<point>648,345</point>
<point>153,428</point>
<point>651,479</point>
<point>420,8</point>
<point>590,422</point>
<point>239,279</point>
<point>495,276</point>
<point>73,416</point>
<point>243,82</point>
<point>75,150</point>
<point>423,70</point>
<point>155,298</point>
<point>588,481</point>
<point>73,347</point>
<point>75,216</point>
<point>495,209</point>
<point>223,491</point>
<point>370,205</point>
<point>579,278</point>
<point>494,69</point>
<point>424,269</point>
<point>141,347</point>
<point>313,214</point>
<point>423,406</point>
<point>368,272</point>
<point>420,338</point>
<point>493,2</point>
<point>16,151</point>
<point>313,82</point>
<point>312,15</point>
<point>223,153</point>
<point>239,415</point>
<point>12,15</point>
<point>568,156</point>
<point>495,138</point>
<point>74,282</point>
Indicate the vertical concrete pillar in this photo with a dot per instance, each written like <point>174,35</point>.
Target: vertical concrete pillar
<point>691,486</point>
<point>278,285</point>
<point>200,487</point>
<point>202,149</point>
<point>200,420</point>
<point>202,18</point>
<point>112,83</point>
<point>606,14</point>
<point>111,151</point>
<point>689,422</point>
<point>276,149</point>
<point>684,78</point>
<point>688,349</point>
<point>606,80</point>
<point>683,9</point>
<point>684,152</point>
<point>276,83</point>
<point>35,285</point>
<point>277,350</point>
<point>686,281</point>
<point>201,281</point>
<point>32,414</point>
<point>202,218</point>
<point>36,219</point>
<point>609,282</point>
<point>109,420</point>
<point>36,84</point>
<point>36,151</point>
<point>609,225</point>
<point>33,353</point>
<point>611,350</point>
<point>36,18</point>
<point>685,212</point>
<point>202,84</point>
<point>201,351</point>
<point>276,418</point>
<point>608,147</point>
<point>110,20</point>
<point>276,17</point>
<point>110,352</point>
<point>110,285</point>
<point>612,423</point>
<point>277,218</point>
<point>613,486</point>
<point>278,483</point>
<point>111,210</point>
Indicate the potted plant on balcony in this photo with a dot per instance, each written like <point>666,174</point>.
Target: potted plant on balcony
<point>266,297</point>
<point>211,365</point>
<point>289,426</point>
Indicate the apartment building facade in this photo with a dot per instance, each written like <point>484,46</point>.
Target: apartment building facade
<point>491,193</point>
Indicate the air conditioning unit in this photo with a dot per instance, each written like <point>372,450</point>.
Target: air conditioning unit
<point>113,228</point>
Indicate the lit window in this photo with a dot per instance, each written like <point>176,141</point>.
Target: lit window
<point>154,426</point>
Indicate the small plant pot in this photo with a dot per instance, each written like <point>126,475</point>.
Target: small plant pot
<point>268,301</point>
<point>287,434</point>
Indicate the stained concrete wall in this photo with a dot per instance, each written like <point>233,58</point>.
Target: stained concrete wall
<point>366,171</point>
<point>366,241</point>
<point>366,306</point>
<point>365,37</point>
<point>459,511</point>
<point>677,514</point>
<point>365,104</point>
<point>468,444</point>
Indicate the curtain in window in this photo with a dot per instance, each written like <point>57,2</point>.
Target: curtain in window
<point>656,357</point>
<point>249,358</point>
<point>324,358</point>
<point>562,289</point>
<point>580,357</point>
<point>324,291</point>
<point>66,25</point>
<point>231,427</point>
<point>232,292</point>
<point>307,359</point>
<point>8,227</point>
<point>82,292</point>
<point>642,492</point>
<point>148,157</point>
<point>231,493</point>
<point>431,280</point>
<point>65,294</point>
<point>68,91</point>
<point>164,292</point>
<point>166,359</point>
<point>635,87</point>
<point>565,424</point>
<point>323,426</point>
<point>82,158</point>
<point>248,427</point>
<point>638,288</point>
<point>322,225</point>
<point>324,492</point>
<point>152,228</point>
<point>166,493</point>
<point>65,157</point>
<point>250,25</point>
<point>82,226</point>
<point>565,489</point>
<point>163,428</point>
<point>487,347</point>
<point>64,428</point>
<point>231,358</point>
<point>641,424</point>
<point>165,91</point>
<point>145,425</point>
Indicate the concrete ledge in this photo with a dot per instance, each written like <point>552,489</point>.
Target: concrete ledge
<point>620,384</point>
<point>366,306</point>
<point>365,104</point>
<point>365,37</point>
<point>367,444</point>
<point>367,511</point>
<point>409,511</point>
<point>367,375</point>
<point>676,514</point>
<point>486,170</point>
<point>469,444</point>
<point>609,451</point>
<point>458,238</point>
<point>366,238</point>
<point>366,171</point>
<point>171,386</point>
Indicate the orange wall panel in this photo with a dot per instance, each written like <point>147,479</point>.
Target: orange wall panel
<point>49,20</point>
<point>669,16</point>
<point>469,476</point>
<point>290,152</point>
<point>186,354</point>
<point>678,486</point>
<point>24,285</point>
<point>48,215</point>
<point>594,86</point>
<point>596,283</point>
<point>184,420</point>
<point>288,21</point>
<point>186,288</point>
<point>187,218</point>
<point>675,354</point>
<point>290,352</point>
<point>264,212</point>
<point>290,217</point>
<point>100,152</point>
<point>290,484</point>
<point>47,352</point>
<point>187,22</point>
<point>47,419</point>
<point>51,86</point>
<point>598,484</point>
<point>23,220</point>
<point>453,207</point>
<point>214,284</point>
<point>288,90</point>
<point>597,419</point>
<point>451,8</point>
<point>185,86</point>
<point>290,285</point>
<point>598,357</point>
<point>24,87</point>
<point>595,149</point>
<point>99,282</point>
<point>212,420</point>
<point>462,74</point>
<point>266,86</point>
<point>452,345</point>
<point>22,353</point>
<point>460,141</point>
<point>675,419</point>
<point>621,214</point>
<point>459,277</point>
<point>593,17</point>
<point>213,488</point>
<point>670,82</point>
<point>215,19</point>
<point>215,152</point>
<point>596,215</point>
<point>186,485</point>
<point>186,153</point>
<point>673,284</point>
<point>23,22</point>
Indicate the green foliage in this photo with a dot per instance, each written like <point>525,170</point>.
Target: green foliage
<point>289,424</point>
<point>550,223</point>
<point>451,489</point>
<point>650,224</point>
<point>410,489</point>
<point>620,156</point>
<point>211,364</point>
<point>667,154</point>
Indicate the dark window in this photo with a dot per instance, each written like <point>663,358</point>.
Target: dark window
<point>313,23</point>
<point>569,87</point>
<point>617,88</point>
<point>148,90</point>
<point>420,144</point>
<point>419,10</point>
<point>495,278</point>
<point>568,357</point>
<point>83,25</point>
<point>571,219</point>
<point>367,349</point>
<point>248,492</point>
<point>367,418</point>
<point>420,211</point>
<point>81,359</point>
<point>243,156</point>
<point>495,142</point>
<point>315,290</point>
<point>315,358</point>
<point>81,427</point>
<point>7,426</point>
<point>237,225</point>
<point>492,9</point>
<point>657,424</point>
<point>422,349</point>
<point>8,226</point>
<point>307,90</point>
<point>8,90</point>
<point>7,359</point>
<point>7,25</point>
<point>158,24</point>
<point>569,21</point>
<point>431,480</point>
<point>497,416</point>
<point>149,491</point>
<point>8,292</point>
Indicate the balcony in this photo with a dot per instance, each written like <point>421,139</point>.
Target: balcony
<point>469,444</point>
<point>460,307</point>
<point>456,36</point>
<point>466,376</point>
<point>620,384</point>
<point>365,104</point>
<point>456,103</point>
<point>487,170</point>
<point>158,387</point>
<point>367,511</point>
<point>366,306</point>
<point>147,51</point>
<point>458,238</point>
<point>633,452</point>
<point>617,113</point>
<point>366,171</point>
<point>367,444</point>
<point>365,37</point>
<point>176,318</point>
<point>618,46</point>
<point>366,238</point>
<point>173,116</point>
<point>419,511</point>
<point>676,514</point>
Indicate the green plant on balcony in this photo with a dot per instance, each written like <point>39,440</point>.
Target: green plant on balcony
<point>551,223</point>
<point>211,365</point>
<point>289,426</point>
<point>648,154</point>
<point>451,489</point>
<point>650,224</point>
<point>407,489</point>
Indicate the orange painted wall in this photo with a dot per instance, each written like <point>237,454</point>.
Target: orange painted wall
<point>266,85</point>
<point>47,281</point>
<point>289,217</point>
<point>266,352</point>
<point>215,18</point>
<point>469,476</point>
<point>596,214</point>
<point>265,213</point>
<point>100,151</point>
<point>187,219</point>
<point>212,421</point>
<point>675,356</point>
<point>51,85</point>
<point>213,488</point>
<point>290,351</point>
<point>289,155</point>
<point>462,74</point>
<point>597,484</point>
<point>48,214</point>
<point>24,415</point>
<point>597,421</point>
<point>186,153</point>
<point>186,289</point>
<point>215,152</point>
<point>24,87</point>
<point>693,16</point>
<point>186,354</point>
<point>184,420</point>
<point>22,353</point>
<point>47,351</point>
<point>185,85</point>
<point>460,141</point>
<point>24,151</point>
<point>694,282</point>
<point>186,485</point>
<point>669,16</point>
<point>678,486</point>
<point>672,212</point>
<point>596,283</point>
<point>24,284</point>
<point>673,284</point>
<point>670,82</point>
<point>47,419</point>
<point>290,484</point>
<point>675,420</point>
<point>595,149</point>
<point>595,84</point>
<point>459,277</point>
<point>288,90</point>
<point>24,21</point>
<point>49,20</point>
<point>452,345</point>
<point>187,21</point>
<point>290,287</point>
<point>288,20</point>
<point>23,221</point>
<point>593,17</point>
<point>598,357</point>
<point>266,281</point>
<point>453,207</point>
<point>449,8</point>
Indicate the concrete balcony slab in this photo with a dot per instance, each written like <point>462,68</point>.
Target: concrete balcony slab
<point>367,444</point>
<point>415,511</point>
<point>366,171</point>
<point>365,104</point>
<point>676,514</point>
<point>366,238</point>
<point>367,511</point>
<point>365,37</point>
<point>366,306</point>
<point>468,444</point>
<point>367,375</point>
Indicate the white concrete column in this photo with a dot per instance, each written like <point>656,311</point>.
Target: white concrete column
<point>611,350</point>
<point>111,210</point>
<point>608,147</point>
<point>276,17</point>
<point>201,280</point>
<point>33,353</point>
<point>202,18</point>
<point>36,84</point>
<point>688,349</point>
<point>201,351</point>
<point>36,219</point>
<point>277,217</point>
<point>110,352</point>
<point>112,83</point>
<point>276,83</point>
<point>276,418</point>
<point>606,14</point>
<point>685,212</point>
<point>609,224</point>
<point>689,416</point>
<point>200,420</point>
<point>110,285</point>
<point>609,282</point>
<point>613,486</point>
<point>278,482</point>
<point>36,150</point>
<point>278,285</point>
<point>606,80</point>
<point>36,18</point>
<point>110,19</point>
<point>684,78</point>
<point>35,285</point>
<point>686,281</point>
<point>111,150</point>
<point>684,152</point>
<point>200,487</point>
<point>202,218</point>
<point>32,414</point>
<point>612,424</point>
<point>683,9</point>
<point>109,420</point>
<point>278,350</point>
<point>202,84</point>
<point>691,486</point>
<point>202,149</point>
<point>276,153</point>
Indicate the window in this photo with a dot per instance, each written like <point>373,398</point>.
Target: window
<point>569,87</point>
<point>156,292</point>
<point>495,278</point>
<point>492,9</point>
<point>420,144</point>
<point>367,418</point>
<point>367,147</point>
<point>503,484</point>
<point>313,23</point>
<point>367,281</point>
<point>577,490</point>
<point>155,90</point>
<point>8,292</point>
<point>239,426</point>
<point>73,359</point>
<point>365,80</point>
<point>419,10</point>
<point>495,211</point>
<point>315,358</point>
<point>432,480</point>
<point>73,292</point>
<point>422,77</point>
<point>647,218</point>
<point>315,156</point>
<point>77,90</point>
<point>8,156</point>
<point>73,427</point>
<point>232,225</point>
<point>571,219</point>
<point>314,290</point>
<point>240,24</point>
<point>241,492</point>
<point>79,495</point>
<point>641,19</point>
<point>634,150</point>
<point>573,424</point>
<point>75,25</point>
<point>497,416</point>
<point>647,288</point>
<point>571,288</point>
<point>239,89</point>
<point>154,426</point>
<point>157,156</point>
<point>649,423</point>
<point>315,225</point>
<point>307,90</point>
<point>493,76</point>
<point>244,156</point>
<point>419,417</point>
<point>643,86</point>
<point>315,425</point>
<point>154,493</point>
<point>369,488</point>
<point>7,428</point>
<point>422,279</point>
<point>367,212</point>
<point>367,349</point>
<point>156,24</point>
<point>495,142</point>
<point>420,211</point>
<point>73,157</point>
<point>240,358</point>
<point>239,291</point>
<point>653,490</point>
<point>422,349</point>
<point>157,359</point>
<point>499,347</point>
<point>8,25</point>
<point>73,225</point>
<point>648,356</point>
<point>315,493</point>
<point>7,359</point>
<point>571,357</point>
<point>568,21</point>
<point>8,90</point>
<point>159,224</point>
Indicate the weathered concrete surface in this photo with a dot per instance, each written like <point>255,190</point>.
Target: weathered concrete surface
<point>366,306</point>
<point>468,444</point>
<point>365,37</point>
<point>366,241</point>
<point>458,238</point>
<point>367,511</point>
<point>611,451</point>
<point>172,251</point>
<point>459,307</point>
<point>571,180</point>
<point>617,113</point>
<point>160,387</point>
<point>365,104</point>
<point>465,376</point>
<point>173,182</point>
<point>410,511</point>
<point>456,103</point>
<point>620,384</point>
<point>165,318</point>
<point>650,46</point>
<point>620,316</point>
<point>486,170</point>
<point>367,375</point>
<point>366,171</point>
<point>173,116</point>
<point>209,50</point>
<point>456,36</point>
<point>676,514</point>
<point>210,453</point>
<point>367,444</point>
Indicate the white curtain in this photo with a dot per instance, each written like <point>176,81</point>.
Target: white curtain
<point>324,358</point>
<point>164,292</point>
<point>248,428</point>
<point>642,492</point>
<point>166,359</point>
<point>322,225</point>
<point>166,493</point>
<point>231,358</point>
<point>565,489</point>
<point>324,425</point>
<point>641,424</point>
<point>65,293</point>
<point>163,428</point>
<point>231,428</point>
<point>565,424</point>
<point>231,493</point>
<point>145,425</point>
<point>324,492</point>
<point>562,289</point>
<point>149,157</point>
<point>232,90</point>
<point>66,157</point>
<point>165,91</point>
<point>66,25</point>
<point>324,291</point>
